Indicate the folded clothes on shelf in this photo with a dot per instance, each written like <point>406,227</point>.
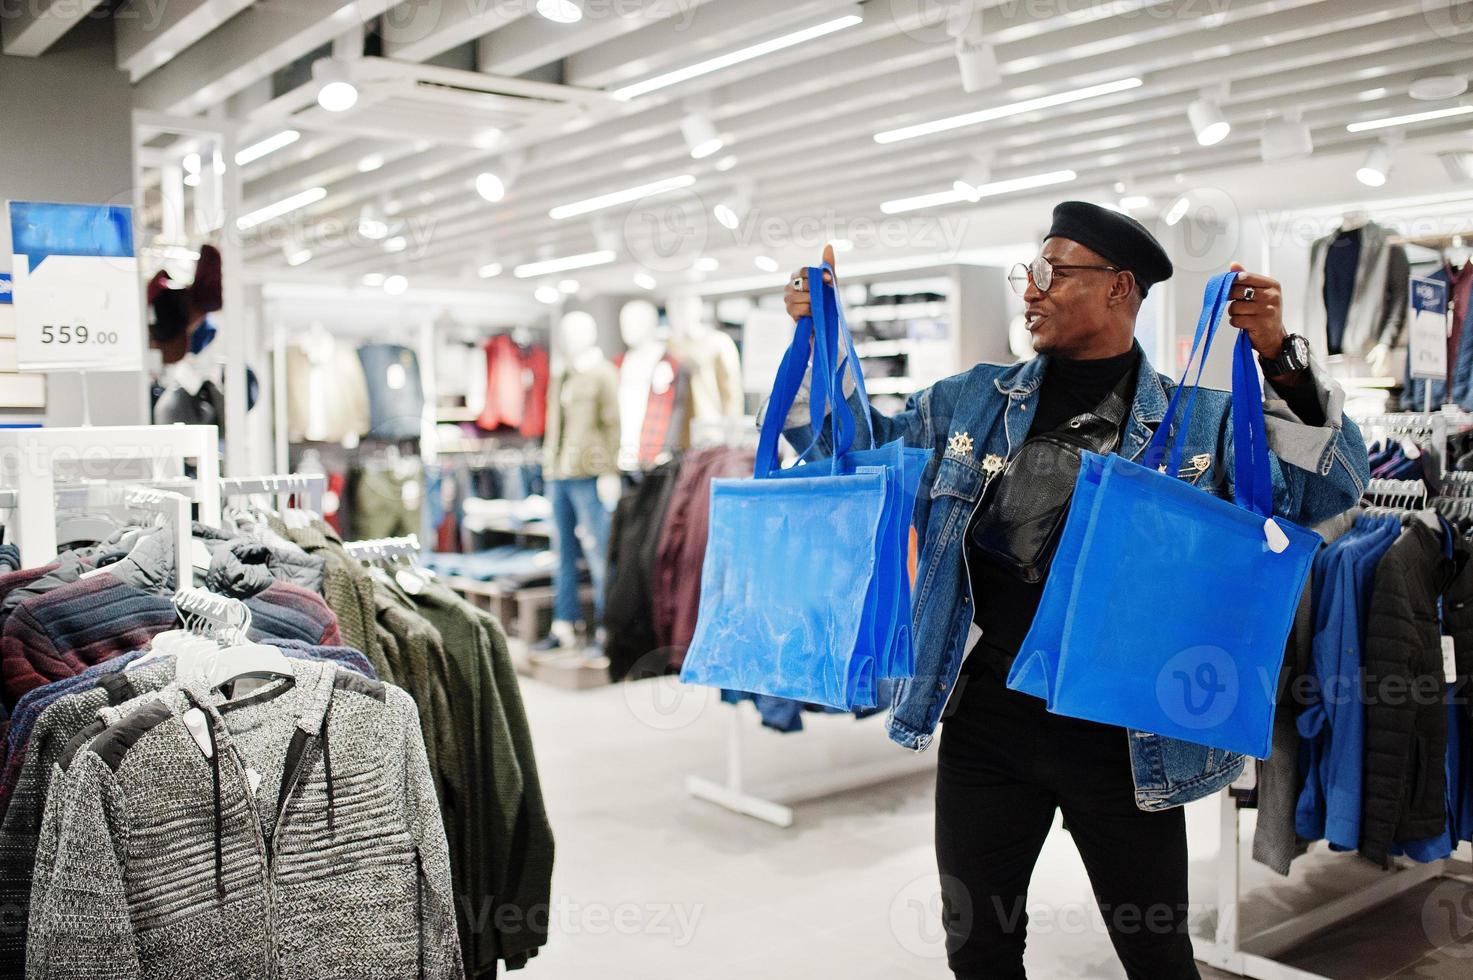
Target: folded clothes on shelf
<point>524,565</point>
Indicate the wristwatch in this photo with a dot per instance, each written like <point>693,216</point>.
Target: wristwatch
<point>1294,357</point>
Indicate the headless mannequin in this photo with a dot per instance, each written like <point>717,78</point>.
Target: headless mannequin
<point>716,370</point>
<point>1379,356</point>
<point>578,339</point>
<point>643,361</point>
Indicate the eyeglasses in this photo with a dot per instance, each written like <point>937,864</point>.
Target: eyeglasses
<point>1041,270</point>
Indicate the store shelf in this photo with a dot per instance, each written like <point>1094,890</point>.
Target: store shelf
<point>897,311</point>
<point>891,386</point>
<point>884,348</point>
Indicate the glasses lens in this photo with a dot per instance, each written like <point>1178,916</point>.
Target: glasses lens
<point>1043,274</point>
<point>1018,279</point>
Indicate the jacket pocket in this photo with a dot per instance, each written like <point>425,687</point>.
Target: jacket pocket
<point>955,478</point>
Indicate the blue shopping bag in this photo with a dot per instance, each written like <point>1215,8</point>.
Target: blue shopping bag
<point>800,587</point>
<point>1201,662</point>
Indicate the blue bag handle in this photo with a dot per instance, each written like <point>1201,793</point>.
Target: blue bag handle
<point>789,380</point>
<point>1207,323</point>
<point>1252,484</point>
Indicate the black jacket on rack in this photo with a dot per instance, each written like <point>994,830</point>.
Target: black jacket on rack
<point>1404,791</point>
<point>628,607</point>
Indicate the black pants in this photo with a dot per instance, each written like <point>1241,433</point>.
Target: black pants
<point>1005,764</point>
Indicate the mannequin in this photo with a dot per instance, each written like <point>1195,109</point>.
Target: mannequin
<point>1356,301</point>
<point>581,445</point>
<point>710,356</point>
<point>651,391</point>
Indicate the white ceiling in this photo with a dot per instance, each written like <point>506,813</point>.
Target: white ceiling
<point>800,122</point>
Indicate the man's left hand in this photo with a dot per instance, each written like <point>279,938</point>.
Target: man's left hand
<point>1262,316</point>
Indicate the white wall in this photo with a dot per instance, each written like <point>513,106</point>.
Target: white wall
<point>66,135</point>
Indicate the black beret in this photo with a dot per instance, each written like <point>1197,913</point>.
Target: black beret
<point>1118,238</point>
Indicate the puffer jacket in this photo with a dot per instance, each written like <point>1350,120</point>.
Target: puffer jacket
<point>290,833</point>
<point>1404,790</point>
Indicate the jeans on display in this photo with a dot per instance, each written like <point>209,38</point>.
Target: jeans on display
<point>1006,764</point>
<point>581,527</point>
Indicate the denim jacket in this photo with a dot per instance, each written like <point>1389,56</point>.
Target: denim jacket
<point>1318,471</point>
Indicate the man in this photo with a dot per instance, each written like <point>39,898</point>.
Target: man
<point>1006,763</point>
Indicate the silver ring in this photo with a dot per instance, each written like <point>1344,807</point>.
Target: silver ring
<point>1247,294</point>
<point>798,283</point>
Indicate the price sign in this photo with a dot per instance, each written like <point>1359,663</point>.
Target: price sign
<point>76,292</point>
<point>1427,333</point>
<point>7,311</point>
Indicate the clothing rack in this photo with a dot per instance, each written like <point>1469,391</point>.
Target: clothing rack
<point>29,458</point>
<point>732,794</point>
<point>225,615</point>
<point>312,486</point>
<point>174,509</point>
<point>1411,494</point>
<point>372,548</point>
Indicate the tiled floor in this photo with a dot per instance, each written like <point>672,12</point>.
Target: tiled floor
<point>652,884</point>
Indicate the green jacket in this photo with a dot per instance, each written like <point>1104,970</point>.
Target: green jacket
<point>582,437</point>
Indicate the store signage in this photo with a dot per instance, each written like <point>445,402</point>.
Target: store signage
<point>6,289</point>
<point>76,292</point>
<point>1427,333</point>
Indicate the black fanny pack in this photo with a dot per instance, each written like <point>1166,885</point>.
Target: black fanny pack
<point>1023,507</point>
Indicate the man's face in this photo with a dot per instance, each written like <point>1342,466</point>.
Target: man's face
<point>1076,308</point>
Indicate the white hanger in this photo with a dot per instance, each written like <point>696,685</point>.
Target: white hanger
<point>243,658</point>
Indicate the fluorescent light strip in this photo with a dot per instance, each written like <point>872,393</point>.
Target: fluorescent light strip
<point>1004,111</point>
<point>901,205</point>
<point>267,146</point>
<point>531,270</point>
<point>1415,117</point>
<point>620,197</point>
<point>309,196</point>
<point>735,57</point>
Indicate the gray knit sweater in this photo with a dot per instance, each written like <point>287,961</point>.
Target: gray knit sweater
<point>161,860</point>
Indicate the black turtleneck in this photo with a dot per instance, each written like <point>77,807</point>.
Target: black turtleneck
<point>1005,605</point>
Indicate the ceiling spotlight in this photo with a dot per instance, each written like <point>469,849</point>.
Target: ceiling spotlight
<point>841,245</point>
<point>1134,202</point>
<point>396,244</point>
<point>370,163</point>
<point>726,163</point>
<point>490,187</point>
<point>490,270</point>
<point>373,279</point>
<point>371,226</point>
<point>1457,163</point>
<point>296,256</point>
<point>568,286</point>
<point>1377,166</point>
<point>560,11</point>
<point>977,175</point>
<point>707,263</point>
<point>1178,210</point>
<point>766,263</point>
<point>396,285</point>
<point>1436,88</point>
<point>977,59</point>
<point>1208,121</point>
<point>547,294</point>
<point>644,280</point>
<point>336,92</point>
<point>1285,139</point>
<point>726,216</point>
<point>191,180</point>
<point>700,135</point>
<point>191,163</point>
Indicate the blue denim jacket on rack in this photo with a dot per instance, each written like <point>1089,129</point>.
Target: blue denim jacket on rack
<point>1318,471</point>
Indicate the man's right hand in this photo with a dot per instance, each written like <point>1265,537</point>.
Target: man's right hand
<point>795,297</point>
